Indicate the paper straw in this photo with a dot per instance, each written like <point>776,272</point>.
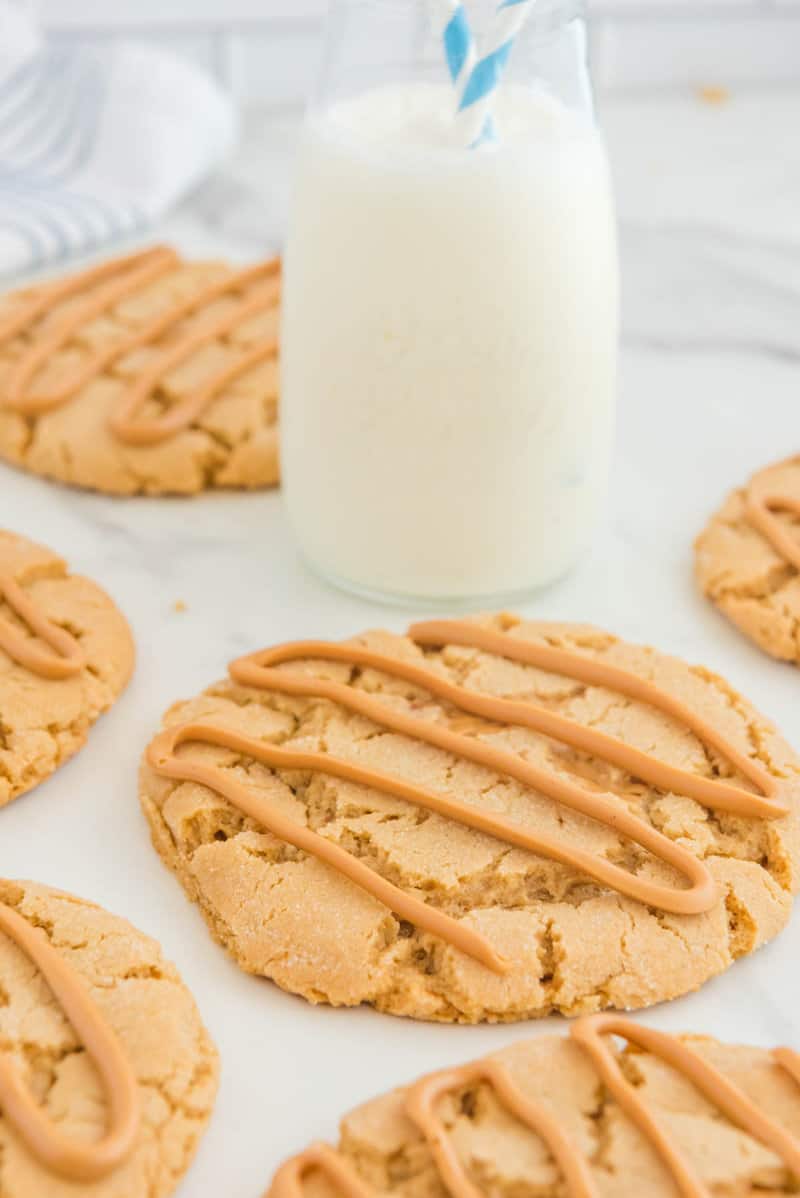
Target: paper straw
<point>453,27</point>
<point>485,74</point>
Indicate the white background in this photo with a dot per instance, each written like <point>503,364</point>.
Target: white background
<point>265,49</point>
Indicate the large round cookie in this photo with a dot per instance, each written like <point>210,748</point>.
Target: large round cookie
<point>748,559</point>
<point>572,1116</point>
<point>484,819</point>
<point>144,375</point>
<point>102,1038</point>
<point>66,653</point>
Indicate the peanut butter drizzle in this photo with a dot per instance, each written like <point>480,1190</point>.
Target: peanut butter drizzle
<point>710,792</point>
<point>420,1107</point>
<point>288,1180</point>
<point>136,272</point>
<point>789,1060</point>
<point>188,410</point>
<point>48,294</point>
<point>260,672</point>
<point>127,276</point>
<point>760,508</point>
<point>67,657</point>
<point>421,1101</point>
<point>71,1159</point>
<point>712,1084</point>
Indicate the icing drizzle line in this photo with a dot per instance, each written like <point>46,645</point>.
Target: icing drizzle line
<point>117,280</point>
<point>421,1105</point>
<point>66,658</point>
<point>61,1155</point>
<point>590,1033</point>
<point>260,671</point>
<point>760,508</point>
<point>731,1100</point>
<point>289,1178</point>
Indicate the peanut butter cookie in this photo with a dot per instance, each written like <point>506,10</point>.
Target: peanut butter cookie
<point>66,653</point>
<point>748,559</point>
<point>483,819</point>
<point>144,375</point>
<point>574,1116</point>
<point>107,1075</point>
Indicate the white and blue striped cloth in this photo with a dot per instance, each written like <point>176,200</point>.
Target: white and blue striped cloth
<point>95,143</point>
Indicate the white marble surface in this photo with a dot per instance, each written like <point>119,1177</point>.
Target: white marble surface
<point>710,390</point>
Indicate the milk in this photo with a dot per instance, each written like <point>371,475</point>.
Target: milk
<point>449,345</point>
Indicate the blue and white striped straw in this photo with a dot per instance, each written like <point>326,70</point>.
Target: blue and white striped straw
<point>478,78</point>
<point>458,42</point>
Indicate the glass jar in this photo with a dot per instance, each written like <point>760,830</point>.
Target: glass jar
<point>450,314</point>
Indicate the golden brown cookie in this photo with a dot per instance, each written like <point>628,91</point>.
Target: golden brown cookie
<point>107,1075</point>
<point>66,653</point>
<point>573,1117</point>
<point>484,819</point>
<point>144,375</point>
<point>748,559</point>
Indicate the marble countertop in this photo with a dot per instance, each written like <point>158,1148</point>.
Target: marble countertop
<point>708,198</point>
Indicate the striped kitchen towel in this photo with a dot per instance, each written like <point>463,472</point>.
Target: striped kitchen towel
<point>95,142</point>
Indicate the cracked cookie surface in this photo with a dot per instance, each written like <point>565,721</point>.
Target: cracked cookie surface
<point>231,443</point>
<point>574,945</point>
<point>142,999</point>
<point>385,1152</point>
<point>747,578</point>
<point>44,721</point>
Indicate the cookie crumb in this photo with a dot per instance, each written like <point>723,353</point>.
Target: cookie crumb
<point>713,94</point>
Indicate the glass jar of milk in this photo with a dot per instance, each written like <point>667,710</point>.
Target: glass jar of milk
<point>450,313</point>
